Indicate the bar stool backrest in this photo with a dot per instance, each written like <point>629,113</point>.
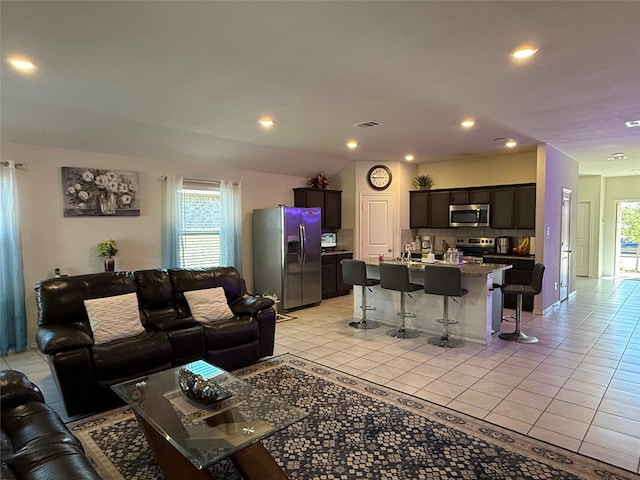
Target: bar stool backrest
<point>394,277</point>
<point>536,277</point>
<point>354,272</point>
<point>443,281</point>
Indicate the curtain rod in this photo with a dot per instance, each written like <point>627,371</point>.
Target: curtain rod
<point>203,182</point>
<point>12,164</point>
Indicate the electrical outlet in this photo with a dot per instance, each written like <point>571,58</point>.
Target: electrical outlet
<point>548,231</point>
<point>555,285</point>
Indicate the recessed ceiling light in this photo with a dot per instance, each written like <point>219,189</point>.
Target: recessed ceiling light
<point>468,123</point>
<point>632,123</point>
<point>510,143</point>
<point>617,156</point>
<point>351,144</point>
<point>22,63</point>
<point>524,52</point>
<point>408,157</point>
<point>266,122</point>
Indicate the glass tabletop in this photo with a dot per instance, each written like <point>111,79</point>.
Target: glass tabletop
<point>205,433</point>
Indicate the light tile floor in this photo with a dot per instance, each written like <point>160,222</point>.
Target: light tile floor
<point>578,388</point>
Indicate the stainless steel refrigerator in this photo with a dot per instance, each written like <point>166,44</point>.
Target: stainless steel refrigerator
<point>286,255</point>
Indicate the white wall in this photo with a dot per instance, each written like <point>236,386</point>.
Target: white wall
<point>617,189</point>
<point>50,240</point>
<point>591,190</point>
<point>603,193</point>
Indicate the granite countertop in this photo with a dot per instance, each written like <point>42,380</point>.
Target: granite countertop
<point>475,269</point>
<point>494,256</point>
<point>336,252</point>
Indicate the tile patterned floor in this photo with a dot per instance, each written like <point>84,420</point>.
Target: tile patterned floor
<point>578,388</point>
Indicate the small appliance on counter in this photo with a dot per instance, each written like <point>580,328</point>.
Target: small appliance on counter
<point>427,244</point>
<point>328,241</point>
<point>503,245</point>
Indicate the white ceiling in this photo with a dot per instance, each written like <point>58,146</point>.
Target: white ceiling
<point>187,81</point>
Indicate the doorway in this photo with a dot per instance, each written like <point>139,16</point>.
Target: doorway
<point>377,225</point>
<point>565,246</point>
<point>583,240</point>
<point>627,239</point>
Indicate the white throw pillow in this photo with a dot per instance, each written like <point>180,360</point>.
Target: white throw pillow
<point>114,317</point>
<point>208,305</point>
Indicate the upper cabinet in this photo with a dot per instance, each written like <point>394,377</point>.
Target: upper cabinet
<point>439,209</point>
<point>524,214</point>
<point>419,209</point>
<point>501,215</point>
<point>459,197</point>
<point>512,206</point>
<point>330,201</point>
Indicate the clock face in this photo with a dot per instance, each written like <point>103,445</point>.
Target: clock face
<point>379,177</point>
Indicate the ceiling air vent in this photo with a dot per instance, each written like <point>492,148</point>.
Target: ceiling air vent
<point>369,124</point>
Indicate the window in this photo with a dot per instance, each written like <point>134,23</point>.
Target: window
<point>199,236</point>
<point>201,223</point>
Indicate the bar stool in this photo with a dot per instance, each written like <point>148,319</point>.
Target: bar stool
<point>354,272</point>
<point>396,277</point>
<point>534,289</point>
<point>445,281</point>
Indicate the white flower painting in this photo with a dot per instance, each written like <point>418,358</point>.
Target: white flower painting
<point>97,192</point>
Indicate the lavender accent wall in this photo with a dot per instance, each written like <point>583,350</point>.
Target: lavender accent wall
<point>555,171</point>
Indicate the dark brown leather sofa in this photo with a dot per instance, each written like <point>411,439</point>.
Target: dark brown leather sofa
<point>84,371</point>
<point>35,443</point>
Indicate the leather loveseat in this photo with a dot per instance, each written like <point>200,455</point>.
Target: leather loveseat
<point>35,443</point>
<point>84,371</point>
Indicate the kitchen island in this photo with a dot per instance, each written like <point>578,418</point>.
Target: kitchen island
<point>478,312</point>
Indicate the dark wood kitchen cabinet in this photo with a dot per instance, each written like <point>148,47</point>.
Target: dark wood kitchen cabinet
<point>332,284</point>
<point>439,209</point>
<point>502,206</point>
<point>524,214</point>
<point>480,195</point>
<point>459,197</point>
<point>470,196</point>
<point>330,201</point>
<point>419,209</point>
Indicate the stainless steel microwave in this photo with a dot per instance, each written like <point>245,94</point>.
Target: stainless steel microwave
<point>476,215</point>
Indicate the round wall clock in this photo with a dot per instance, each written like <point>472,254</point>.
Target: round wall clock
<point>379,177</point>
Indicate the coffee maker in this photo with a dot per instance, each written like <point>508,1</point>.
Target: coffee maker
<point>427,244</point>
<point>503,245</point>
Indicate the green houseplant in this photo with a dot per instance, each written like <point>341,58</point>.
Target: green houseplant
<point>108,249</point>
<point>423,182</point>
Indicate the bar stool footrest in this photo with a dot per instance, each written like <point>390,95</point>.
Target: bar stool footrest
<point>364,324</point>
<point>449,321</point>
<point>446,342</point>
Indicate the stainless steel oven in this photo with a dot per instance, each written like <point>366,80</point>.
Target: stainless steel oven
<point>476,215</point>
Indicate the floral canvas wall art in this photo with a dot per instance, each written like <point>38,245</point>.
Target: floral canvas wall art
<point>98,192</point>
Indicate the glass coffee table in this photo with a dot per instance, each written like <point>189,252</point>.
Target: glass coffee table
<point>188,435</point>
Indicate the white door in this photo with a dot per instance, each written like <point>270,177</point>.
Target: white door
<point>377,225</point>
<point>565,246</point>
<point>583,234</point>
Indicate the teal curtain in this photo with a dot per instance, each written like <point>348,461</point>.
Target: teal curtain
<point>13,317</point>
<point>231,224</point>
<point>171,221</point>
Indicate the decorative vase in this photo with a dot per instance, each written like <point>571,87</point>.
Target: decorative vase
<point>109,264</point>
<point>108,203</point>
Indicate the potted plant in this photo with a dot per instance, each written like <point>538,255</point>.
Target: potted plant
<point>108,249</point>
<point>423,182</point>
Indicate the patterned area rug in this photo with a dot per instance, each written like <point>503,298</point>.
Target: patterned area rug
<point>356,430</point>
